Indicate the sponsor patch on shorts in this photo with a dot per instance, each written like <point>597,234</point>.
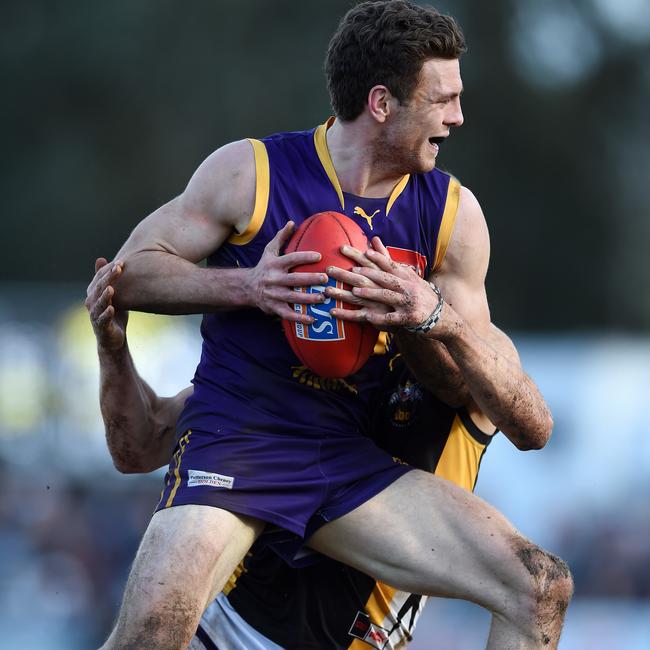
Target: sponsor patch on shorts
<point>196,478</point>
<point>372,634</point>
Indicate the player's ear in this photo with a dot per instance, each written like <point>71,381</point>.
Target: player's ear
<point>379,103</point>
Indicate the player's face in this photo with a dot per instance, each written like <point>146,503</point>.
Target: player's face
<point>416,128</point>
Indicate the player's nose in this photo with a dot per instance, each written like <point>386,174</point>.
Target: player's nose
<point>455,116</point>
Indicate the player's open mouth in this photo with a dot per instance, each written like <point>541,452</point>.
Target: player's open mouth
<point>434,143</point>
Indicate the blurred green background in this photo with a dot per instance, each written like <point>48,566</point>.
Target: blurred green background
<point>107,110</point>
<point>109,107</point>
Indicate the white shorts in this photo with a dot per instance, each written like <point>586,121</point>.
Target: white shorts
<point>222,628</point>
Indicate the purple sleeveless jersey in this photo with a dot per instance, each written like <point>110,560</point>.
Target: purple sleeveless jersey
<point>257,414</point>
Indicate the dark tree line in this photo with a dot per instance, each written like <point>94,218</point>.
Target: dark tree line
<point>109,107</point>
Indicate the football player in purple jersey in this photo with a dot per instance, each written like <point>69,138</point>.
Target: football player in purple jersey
<point>270,605</point>
<point>310,466</point>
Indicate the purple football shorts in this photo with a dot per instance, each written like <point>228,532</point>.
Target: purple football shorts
<point>295,483</point>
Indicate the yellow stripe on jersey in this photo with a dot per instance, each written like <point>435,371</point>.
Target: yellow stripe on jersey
<point>447,222</point>
<point>378,608</point>
<point>378,605</point>
<point>459,462</point>
<point>320,142</point>
<point>232,581</point>
<point>182,444</point>
<point>461,457</point>
<point>262,190</point>
<point>397,190</point>
<point>381,347</point>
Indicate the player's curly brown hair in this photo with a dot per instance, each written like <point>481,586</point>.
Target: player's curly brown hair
<point>385,42</point>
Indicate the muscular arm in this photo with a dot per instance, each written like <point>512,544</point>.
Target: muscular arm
<point>160,256</point>
<point>485,357</point>
<point>486,373</point>
<point>463,356</point>
<point>434,368</point>
<point>139,424</point>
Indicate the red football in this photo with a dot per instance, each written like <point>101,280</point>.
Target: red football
<point>329,346</point>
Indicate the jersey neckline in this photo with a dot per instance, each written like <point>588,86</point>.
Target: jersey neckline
<point>320,142</point>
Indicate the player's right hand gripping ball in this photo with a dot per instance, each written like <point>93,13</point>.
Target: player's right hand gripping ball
<point>329,346</point>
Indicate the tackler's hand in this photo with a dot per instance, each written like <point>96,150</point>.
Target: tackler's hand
<point>108,323</point>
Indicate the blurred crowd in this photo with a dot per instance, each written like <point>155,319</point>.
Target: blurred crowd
<point>66,547</point>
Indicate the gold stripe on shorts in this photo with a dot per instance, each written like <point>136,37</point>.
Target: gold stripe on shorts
<point>182,443</point>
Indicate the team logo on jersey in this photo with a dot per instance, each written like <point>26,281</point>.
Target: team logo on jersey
<point>305,376</point>
<point>368,217</point>
<point>415,260</point>
<point>325,327</point>
<point>403,402</point>
<point>363,628</point>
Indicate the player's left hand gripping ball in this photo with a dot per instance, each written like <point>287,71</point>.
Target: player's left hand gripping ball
<point>329,346</point>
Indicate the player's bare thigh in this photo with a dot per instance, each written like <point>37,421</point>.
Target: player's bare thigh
<point>426,535</point>
<point>206,539</point>
<point>185,558</point>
